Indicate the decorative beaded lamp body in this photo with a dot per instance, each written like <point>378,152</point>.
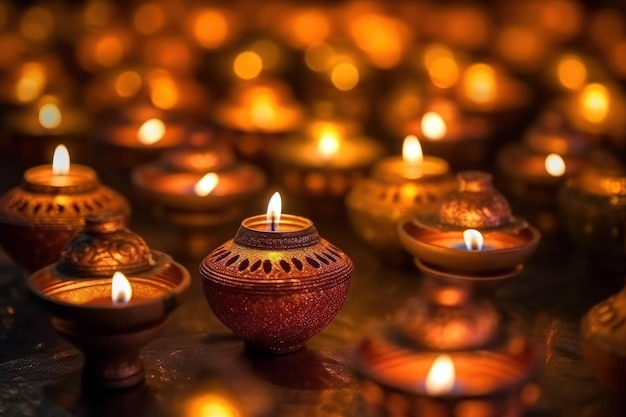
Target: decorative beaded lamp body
<point>37,221</point>
<point>275,290</point>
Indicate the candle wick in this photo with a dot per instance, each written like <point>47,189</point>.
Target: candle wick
<point>273,223</point>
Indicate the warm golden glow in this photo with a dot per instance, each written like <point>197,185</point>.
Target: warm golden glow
<point>164,92</point>
<point>433,126</point>
<point>61,161</point>
<point>31,82</point>
<point>248,65</point>
<point>37,23</point>
<point>151,131</point>
<point>149,18</point>
<point>109,51</point>
<point>571,72</point>
<point>49,116</point>
<point>319,57</point>
<point>412,151</point>
<point>274,209</point>
<point>328,143</point>
<point>268,51</point>
<point>595,103</point>
<point>206,184</point>
<point>127,84</point>
<point>480,83</point>
<point>97,13</point>
<point>440,378</point>
<point>121,291</point>
<point>263,109</point>
<point>211,405</point>
<point>309,27</point>
<point>555,165</point>
<point>210,28</point>
<point>441,66</point>
<point>473,239</point>
<point>344,76</point>
<point>380,37</point>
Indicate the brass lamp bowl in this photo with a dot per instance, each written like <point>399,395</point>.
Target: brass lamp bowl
<point>77,292</point>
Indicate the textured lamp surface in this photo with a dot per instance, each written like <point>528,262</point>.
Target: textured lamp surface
<point>37,222</point>
<point>110,335</point>
<point>275,290</point>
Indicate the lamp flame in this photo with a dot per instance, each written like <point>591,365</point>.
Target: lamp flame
<point>274,208</point>
<point>473,239</point>
<point>412,151</point>
<point>328,144</point>
<point>121,291</point>
<point>49,116</point>
<point>206,184</point>
<point>480,84</point>
<point>433,126</point>
<point>440,378</point>
<point>555,165</point>
<point>151,131</point>
<point>595,103</point>
<point>61,161</point>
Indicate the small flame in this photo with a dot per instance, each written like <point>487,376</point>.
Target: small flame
<point>595,103</point>
<point>121,291</point>
<point>440,378</point>
<point>555,165</point>
<point>151,131</point>
<point>433,126</point>
<point>473,239</point>
<point>274,208</point>
<point>61,161</point>
<point>49,116</point>
<point>412,151</point>
<point>480,83</point>
<point>328,143</point>
<point>263,111</point>
<point>206,184</point>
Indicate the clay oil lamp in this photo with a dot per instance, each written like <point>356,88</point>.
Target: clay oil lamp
<point>476,217</point>
<point>37,129</point>
<point>536,169</point>
<point>109,295</point>
<point>257,116</point>
<point>291,281</point>
<point>40,216</point>
<point>325,163</point>
<point>603,334</point>
<point>398,189</point>
<point>447,354</point>
<point>447,132</point>
<point>593,205</point>
<point>201,190</point>
<point>139,135</point>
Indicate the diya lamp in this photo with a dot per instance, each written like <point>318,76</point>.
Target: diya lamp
<point>140,134</point>
<point>447,354</point>
<point>109,295</point>
<point>38,128</point>
<point>257,116</point>
<point>535,169</point>
<point>593,205</point>
<point>324,164</point>
<point>291,281</point>
<point>441,243</point>
<point>200,189</point>
<point>602,336</point>
<point>398,188</point>
<point>40,216</point>
<point>450,134</point>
